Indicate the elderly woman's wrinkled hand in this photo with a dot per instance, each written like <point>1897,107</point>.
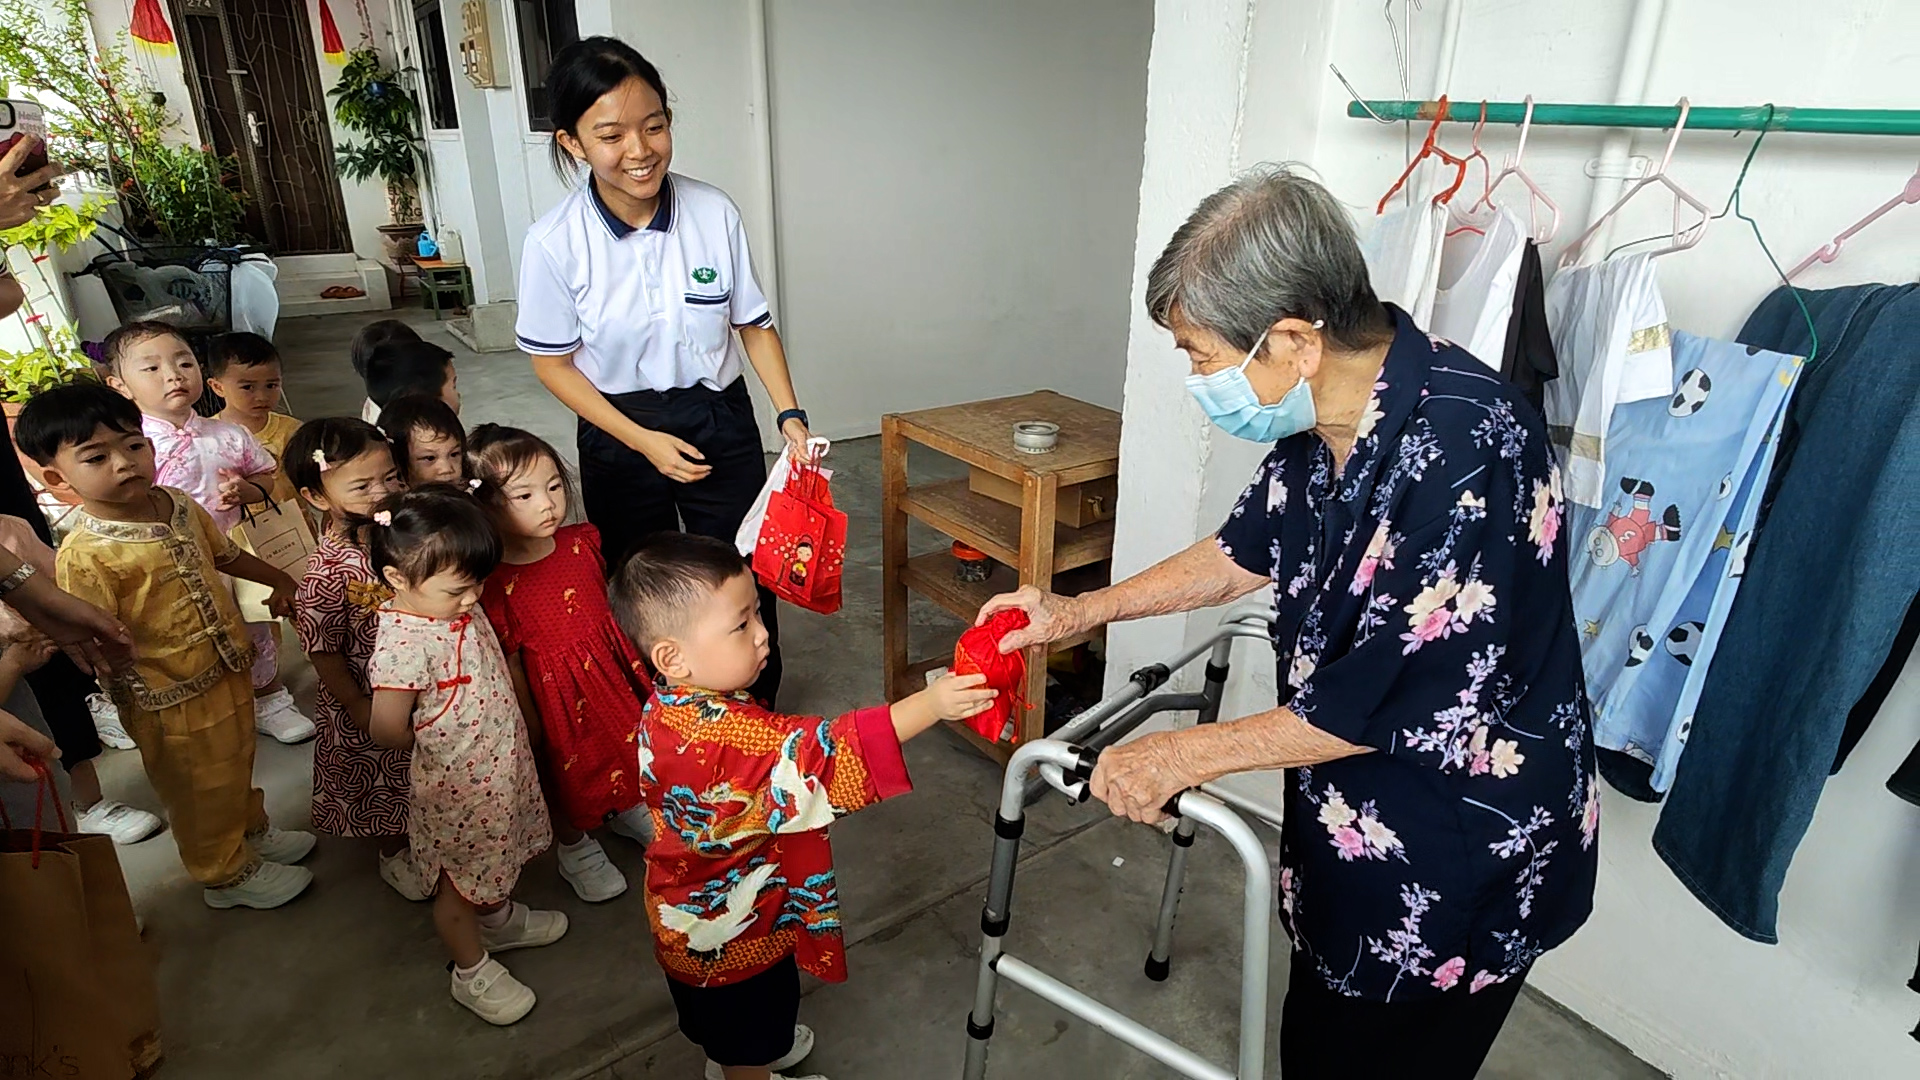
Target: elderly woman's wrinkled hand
<point>1049,617</point>
<point>22,196</point>
<point>1136,779</point>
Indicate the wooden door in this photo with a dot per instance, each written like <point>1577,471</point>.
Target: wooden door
<point>251,67</point>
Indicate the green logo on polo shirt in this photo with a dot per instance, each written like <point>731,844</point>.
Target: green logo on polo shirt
<point>705,275</point>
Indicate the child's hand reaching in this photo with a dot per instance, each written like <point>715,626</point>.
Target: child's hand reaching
<point>28,653</point>
<point>956,697</point>
<point>950,697</point>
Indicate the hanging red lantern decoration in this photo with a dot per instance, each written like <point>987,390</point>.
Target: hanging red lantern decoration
<point>149,27</point>
<point>330,43</point>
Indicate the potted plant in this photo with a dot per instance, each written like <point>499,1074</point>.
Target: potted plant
<point>104,118</point>
<point>370,100</point>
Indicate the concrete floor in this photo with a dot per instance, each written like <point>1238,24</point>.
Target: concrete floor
<point>349,980</point>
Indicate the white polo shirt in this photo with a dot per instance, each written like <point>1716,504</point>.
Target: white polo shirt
<point>652,308</point>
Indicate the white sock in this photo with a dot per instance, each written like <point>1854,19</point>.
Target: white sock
<point>463,974</point>
<point>494,920</point>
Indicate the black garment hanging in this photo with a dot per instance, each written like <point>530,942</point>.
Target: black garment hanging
<point>1528,360</point>
<point>1876,693</point>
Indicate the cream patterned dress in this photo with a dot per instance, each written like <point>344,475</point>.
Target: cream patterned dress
<point>477,812</point>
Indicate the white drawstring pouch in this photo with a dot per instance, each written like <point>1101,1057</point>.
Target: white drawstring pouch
<point>748,537</point>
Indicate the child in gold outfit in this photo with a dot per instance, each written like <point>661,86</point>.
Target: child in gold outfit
<point>153,557</point>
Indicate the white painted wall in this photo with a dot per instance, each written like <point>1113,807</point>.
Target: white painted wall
<point>956,183</point>
<point>1653,968</point>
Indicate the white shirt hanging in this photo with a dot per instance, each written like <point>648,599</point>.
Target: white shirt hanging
<point>1609,327</point>
<point>1403,250</point>
<point>1478,271</point>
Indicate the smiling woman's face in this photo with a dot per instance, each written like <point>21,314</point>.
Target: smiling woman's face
<point>626,138</point>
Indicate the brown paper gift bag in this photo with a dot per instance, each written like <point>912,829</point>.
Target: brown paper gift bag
<point>76,982</point>
<point>279,534</point>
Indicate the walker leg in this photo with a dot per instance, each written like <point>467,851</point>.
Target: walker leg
<point>993,928</point>
<point>1158,961</point>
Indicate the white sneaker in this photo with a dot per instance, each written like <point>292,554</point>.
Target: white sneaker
<point>397,870</point>
<point>106,722</point>
<point>635,824</point>
<point>270,886</point>
<point>126,824</point>
<point>592,875</point>
<point>493,994</point>
<point>283,846</point>
<point>525,929</point>
<point>802,1046</point>
<point>276,715</point>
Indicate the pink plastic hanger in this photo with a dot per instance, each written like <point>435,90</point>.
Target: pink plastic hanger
<point>1682,238</point>
<point>1535,196</point>
<point>1828,253</point>
<point>1464,215</point>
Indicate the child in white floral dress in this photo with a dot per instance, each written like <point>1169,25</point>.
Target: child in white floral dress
<point>441,687</point>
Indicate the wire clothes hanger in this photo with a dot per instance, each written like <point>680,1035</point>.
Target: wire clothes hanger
<point>1831,251</point>
<point>1536,196</point>
<point>1430,148</point>
<point>1682,238</point>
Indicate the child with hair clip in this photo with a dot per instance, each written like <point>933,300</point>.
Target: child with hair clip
<point>440,688</point>
<point>343,468</point>
<point>372,336</point>
<point>581,682</point>
<point>429,444</point>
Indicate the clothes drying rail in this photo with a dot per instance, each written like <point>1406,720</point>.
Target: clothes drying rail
<point>1065,762</point>
<point>1746,118</point>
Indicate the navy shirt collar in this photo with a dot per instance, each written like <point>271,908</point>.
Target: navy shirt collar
<point>662,214</point>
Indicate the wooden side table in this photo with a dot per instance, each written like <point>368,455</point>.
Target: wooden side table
<point>1027,542</point>
<point>440,280</point>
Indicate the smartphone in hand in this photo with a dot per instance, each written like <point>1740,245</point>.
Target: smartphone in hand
<point>23,120</point>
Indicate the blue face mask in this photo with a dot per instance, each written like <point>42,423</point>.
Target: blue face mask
<point>1229,401</point>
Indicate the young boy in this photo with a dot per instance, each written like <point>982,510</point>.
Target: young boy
<point>398,368</point>
<point>372,336</point>
<point>244,369</point>
<point>153,557</point>
<point>219,465</point>
<point>739,875</point>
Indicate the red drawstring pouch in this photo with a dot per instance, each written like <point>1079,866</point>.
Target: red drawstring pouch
<point>978,653</point>
<point>802,548</point>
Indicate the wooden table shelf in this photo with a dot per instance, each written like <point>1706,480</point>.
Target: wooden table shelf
<point>1028,545</point>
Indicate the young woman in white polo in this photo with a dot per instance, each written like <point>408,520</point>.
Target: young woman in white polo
<point>631,293</point>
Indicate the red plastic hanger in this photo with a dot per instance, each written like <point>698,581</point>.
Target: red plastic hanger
<point>1430,148</point>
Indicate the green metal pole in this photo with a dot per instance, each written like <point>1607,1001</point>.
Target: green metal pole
<point>1749,118</point>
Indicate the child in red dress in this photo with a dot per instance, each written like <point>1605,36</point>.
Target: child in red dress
<point>343,469</point>
<point>581,681</point>
<point>740,886</point>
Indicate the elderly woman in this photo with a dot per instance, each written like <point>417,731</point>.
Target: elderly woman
<point>1440,807</point>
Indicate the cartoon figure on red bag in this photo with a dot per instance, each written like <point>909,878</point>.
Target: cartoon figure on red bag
<point>802,556</point>
<point>1627,536</point>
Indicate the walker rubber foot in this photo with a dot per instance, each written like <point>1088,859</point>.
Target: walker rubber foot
<point>1158,970</point>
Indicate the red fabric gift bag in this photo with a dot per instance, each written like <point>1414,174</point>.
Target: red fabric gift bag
<point>802,548</point>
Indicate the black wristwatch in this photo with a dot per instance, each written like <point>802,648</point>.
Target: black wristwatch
<point>791,414</point>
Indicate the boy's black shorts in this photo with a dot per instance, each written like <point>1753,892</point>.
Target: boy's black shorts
<point>746,1023</point>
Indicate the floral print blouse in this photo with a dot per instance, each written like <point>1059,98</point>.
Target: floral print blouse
<point>1422,610</point>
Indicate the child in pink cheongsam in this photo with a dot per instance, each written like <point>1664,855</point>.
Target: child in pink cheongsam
<point>441,688</point>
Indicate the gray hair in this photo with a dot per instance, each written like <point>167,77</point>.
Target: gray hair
<point>1271,245</point>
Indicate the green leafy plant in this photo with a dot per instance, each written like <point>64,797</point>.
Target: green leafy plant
<point>371,101</point>
<point>55,228</point>
<point>189,194</point>
<point>58,360</point>
<point>104,118</point>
